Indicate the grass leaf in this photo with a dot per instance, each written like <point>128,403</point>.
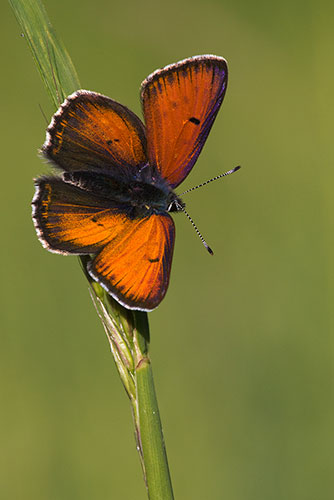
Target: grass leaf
<point>54,63</point>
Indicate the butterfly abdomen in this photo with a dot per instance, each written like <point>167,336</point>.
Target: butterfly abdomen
<point>135,198</point>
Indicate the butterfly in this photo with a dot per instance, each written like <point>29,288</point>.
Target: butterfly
<point>113,190</point>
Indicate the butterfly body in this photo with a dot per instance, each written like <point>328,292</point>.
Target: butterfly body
<point>115,177</point>
<point>138,196</point>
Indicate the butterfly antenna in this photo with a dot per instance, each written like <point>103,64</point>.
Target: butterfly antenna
<point>211,180</point>
<point>180,207</point>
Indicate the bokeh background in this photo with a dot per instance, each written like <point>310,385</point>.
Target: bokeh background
<point>241,345</point>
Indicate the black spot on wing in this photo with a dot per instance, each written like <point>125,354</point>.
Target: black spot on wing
<point>194,120</point>
<point>96,221</point>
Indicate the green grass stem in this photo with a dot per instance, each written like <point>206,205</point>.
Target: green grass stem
<point>127,331</point>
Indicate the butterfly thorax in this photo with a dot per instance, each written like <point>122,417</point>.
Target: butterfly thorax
<point>137,196</point>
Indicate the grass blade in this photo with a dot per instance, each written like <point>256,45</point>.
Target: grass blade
<point>54,63</point>
<point>60,78</point>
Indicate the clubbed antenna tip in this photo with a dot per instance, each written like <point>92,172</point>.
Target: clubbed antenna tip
<point>209,249</point>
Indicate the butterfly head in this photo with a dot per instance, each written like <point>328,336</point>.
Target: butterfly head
<point>175,204</point>
<point>150,193</point>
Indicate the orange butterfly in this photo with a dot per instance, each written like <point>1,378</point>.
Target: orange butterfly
<point>116,187</point>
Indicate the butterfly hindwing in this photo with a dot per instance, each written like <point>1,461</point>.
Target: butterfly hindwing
<point>180,103</point>
<point>135,266</point>
<point>133,255</point>
<point>93,132</point>
<point>70,220</point>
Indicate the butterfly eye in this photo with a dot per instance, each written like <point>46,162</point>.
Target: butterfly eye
<point>175,205</point>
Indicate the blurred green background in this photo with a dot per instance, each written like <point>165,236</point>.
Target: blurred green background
<point>241,345</point>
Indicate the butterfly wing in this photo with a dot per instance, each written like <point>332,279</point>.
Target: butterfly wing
<point>92,132</point>
<point>69,220</point>
<point>180,103</point>
<point>135,266</point>
<point>133,256</point>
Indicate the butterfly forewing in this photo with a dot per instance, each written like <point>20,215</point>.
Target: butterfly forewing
<point>180,103</point>
<point>92,132</point>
